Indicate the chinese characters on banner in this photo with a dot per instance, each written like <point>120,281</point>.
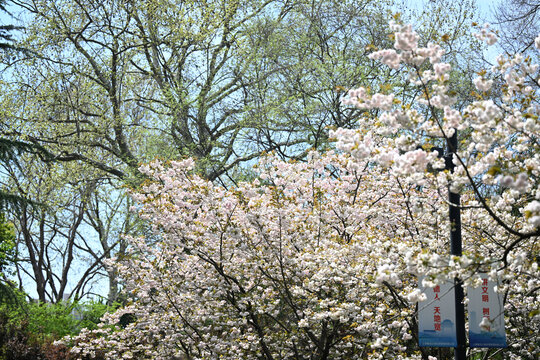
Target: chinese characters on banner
<point>486,316</point>
<point>436,316</point>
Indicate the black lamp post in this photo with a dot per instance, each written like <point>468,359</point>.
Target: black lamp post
<point>455,249</point>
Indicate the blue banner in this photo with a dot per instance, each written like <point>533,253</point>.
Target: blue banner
<point>436,316</point>
<point>486,316</point>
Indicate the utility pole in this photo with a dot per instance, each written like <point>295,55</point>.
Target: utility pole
<point>460,352</point>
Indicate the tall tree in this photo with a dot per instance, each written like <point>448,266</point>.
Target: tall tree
<point>123,82</point>
<point>9,151</point>
<point>115,84</point>
<point>111,85</point>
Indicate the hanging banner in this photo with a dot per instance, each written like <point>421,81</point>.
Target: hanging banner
<point>436,316</point>
<point>486,316</point>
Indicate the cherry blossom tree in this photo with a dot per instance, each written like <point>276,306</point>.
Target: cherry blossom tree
<point>321,259</point>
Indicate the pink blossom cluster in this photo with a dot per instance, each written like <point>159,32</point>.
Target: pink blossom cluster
<point>496,164</point>
<point>274,266</point>
<point>487,35</point>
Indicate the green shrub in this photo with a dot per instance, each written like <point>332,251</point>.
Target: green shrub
<point>28,330</point>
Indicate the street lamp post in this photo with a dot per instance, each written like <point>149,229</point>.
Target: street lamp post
<point>455,249</point>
